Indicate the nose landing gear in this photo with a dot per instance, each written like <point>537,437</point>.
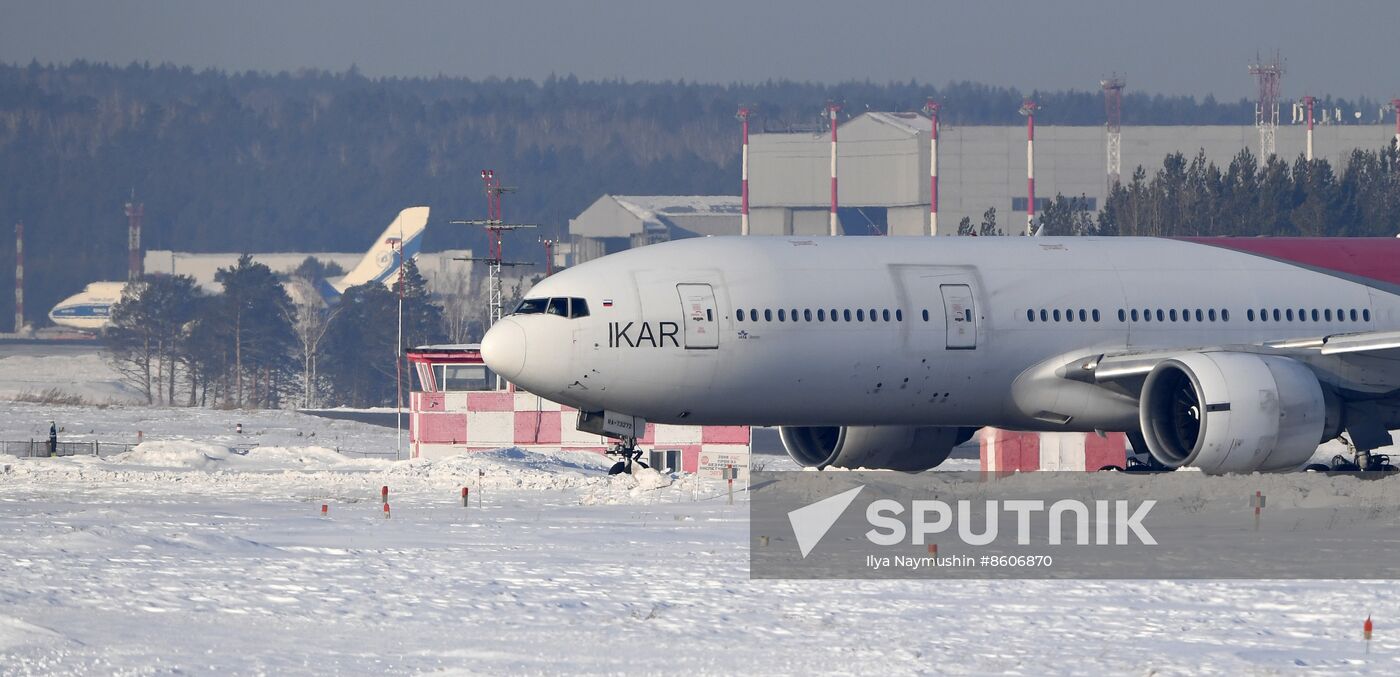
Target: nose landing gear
<point>626,448</point>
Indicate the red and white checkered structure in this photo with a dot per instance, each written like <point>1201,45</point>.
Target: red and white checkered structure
<point>1008,451</point>
<point>451,423</point>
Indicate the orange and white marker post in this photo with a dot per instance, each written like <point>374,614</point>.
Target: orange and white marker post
<point>1366,630</point>
<point>325,510</point>
<point>384,494</point>
<point>466,497</point>
<point>386,511</point>
<point>480,479</point>
<point>1257,502</point>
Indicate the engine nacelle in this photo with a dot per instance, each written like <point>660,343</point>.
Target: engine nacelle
<point>1228,412</point>
<point>908,448</point>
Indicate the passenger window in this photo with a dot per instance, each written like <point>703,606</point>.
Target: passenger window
<point>1056,315</point>
<point>898,315</point>
<point>782,315</point>
<point>1044,315</point>
<point>1327,314</point>
<point>1249,314</point>
<point>886,314</point>
<point>807,314</point>
<point>1302,315</point>
<point>1122,316</point>
<point>1172,314</point>
<point>873,316</point>
<point>1211,315</point>
<point>821,315</point>
<point>834,315</point>
<point>1366,314</point>
<point>767,315</point>
<point>1161,317</point>
<point>709,315</point>
<point>558,306</point>
<point>1289,314</point>
<point>740,315</point>
<point>1084,315</point>
<point>1069,316</point>
<point>846,314</point>
<point>794,314</point>
<point>531,307</point>
<point>1225,314</point>
<point>578,308</point>
<point>1135,315</point>
<point>1030,315</point>
<point>1314,314</point>
<point>860,314</point>
<point>1353,314</point>
<point>926,314</point>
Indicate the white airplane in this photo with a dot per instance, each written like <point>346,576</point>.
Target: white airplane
<point>1224,354</point>
<point>91,309</point>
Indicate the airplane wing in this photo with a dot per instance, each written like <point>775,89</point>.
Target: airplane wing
<point>1368,349</point>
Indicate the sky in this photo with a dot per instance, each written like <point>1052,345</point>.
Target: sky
<point>1194,47</point>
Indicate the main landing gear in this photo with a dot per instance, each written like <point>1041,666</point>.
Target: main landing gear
<point>626,448</point>
<point>1360,461</point>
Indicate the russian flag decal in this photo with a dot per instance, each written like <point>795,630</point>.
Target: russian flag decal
<point>607,303</point>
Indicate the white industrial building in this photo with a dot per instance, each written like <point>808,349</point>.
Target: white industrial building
<point>617,222</point>
<point>883,171</point>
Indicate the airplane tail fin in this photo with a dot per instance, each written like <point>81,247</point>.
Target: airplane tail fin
<point>381,262</point>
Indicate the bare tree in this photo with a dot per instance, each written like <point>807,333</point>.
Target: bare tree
<point>309,318</point>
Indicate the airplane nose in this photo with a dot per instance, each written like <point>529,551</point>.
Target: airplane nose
<point>503,348</point>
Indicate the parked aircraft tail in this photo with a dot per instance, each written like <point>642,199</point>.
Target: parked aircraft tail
<point>381,262</point>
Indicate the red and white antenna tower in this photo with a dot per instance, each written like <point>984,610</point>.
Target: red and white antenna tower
<point>1268,76</point>
<point>1308,147</point>
<point>136,265</point>
<point>1028,109</point>
<point>495,229</point>
<point>1113,109</point>
<point>832,108</point>
<point>743,116</point>
<point>1395,104</point>
<point>19,277</point>
<point>931,109</point>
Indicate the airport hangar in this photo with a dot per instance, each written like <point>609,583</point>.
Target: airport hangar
<point>883,172</point>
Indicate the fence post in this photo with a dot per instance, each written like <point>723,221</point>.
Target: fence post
<point>94,447</point>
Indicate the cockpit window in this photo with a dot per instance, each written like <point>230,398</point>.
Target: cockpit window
<point>559,305</point>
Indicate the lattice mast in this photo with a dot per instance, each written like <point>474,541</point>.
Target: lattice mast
<point>1267,75</point>
<point>1113,128</point>
<point>496,228</point>
<point>135,264</point>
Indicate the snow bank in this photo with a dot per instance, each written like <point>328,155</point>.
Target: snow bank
<point>176,454</point>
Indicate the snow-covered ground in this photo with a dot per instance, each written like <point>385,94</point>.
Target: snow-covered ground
<point>185,556</point>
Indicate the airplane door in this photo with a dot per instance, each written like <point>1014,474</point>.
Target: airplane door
<point>701,318</point>
<point>961,316</point>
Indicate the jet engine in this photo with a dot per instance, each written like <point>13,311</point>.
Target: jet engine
<point>908,448</point>
<point>1228,412</point>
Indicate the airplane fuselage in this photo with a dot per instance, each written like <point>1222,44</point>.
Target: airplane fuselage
<point>914,331</point>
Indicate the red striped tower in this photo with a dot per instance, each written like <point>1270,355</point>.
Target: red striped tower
<point>1395,103</point>
<point>831,109</point>
<point>1028,108</point>
<point>931,108</point>
<point>1309,147</point>
<point>743,116</point>
<point>19,277</point>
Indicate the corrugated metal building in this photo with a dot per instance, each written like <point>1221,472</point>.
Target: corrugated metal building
<point>617,222</point>
<point>883,161</point>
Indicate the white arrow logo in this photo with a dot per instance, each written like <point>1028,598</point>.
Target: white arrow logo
<point>810,523</point>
